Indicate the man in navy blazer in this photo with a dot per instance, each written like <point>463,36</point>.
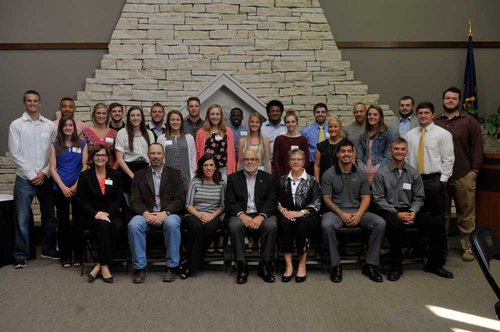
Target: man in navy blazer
<point>251,200</point>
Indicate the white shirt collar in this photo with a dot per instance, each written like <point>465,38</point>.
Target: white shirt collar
<point>302,176</point>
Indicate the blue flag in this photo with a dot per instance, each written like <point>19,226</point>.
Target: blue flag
<point>470,87</point>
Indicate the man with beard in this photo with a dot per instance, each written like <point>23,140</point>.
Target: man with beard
<point>236,117</point>
<point>157,199</point>
<point>353,130</point>
<point>406,120</point>
<point>316,132</point>
<point>468,148</point>
<point>116,112</point>
<point>67,109</point>
<point>274,125</point>
<point>156,124</point>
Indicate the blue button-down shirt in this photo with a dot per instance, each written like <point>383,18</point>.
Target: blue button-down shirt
<point>239,131</point>
<point>404,126</point>
<point>271,132</point>
<point>311,133</point>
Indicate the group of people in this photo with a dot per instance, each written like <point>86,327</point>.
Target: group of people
<point>267,180</point>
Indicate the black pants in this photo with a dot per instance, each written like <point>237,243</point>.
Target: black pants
<point>107,235</point>
<point>430,226</point>
<point>198,239</point>
<point>434,196</point>
<point>301,229</point>
<point>69,233</point>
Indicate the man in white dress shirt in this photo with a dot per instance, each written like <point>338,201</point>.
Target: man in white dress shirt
<point>430,151</point>
<point>30,137</point>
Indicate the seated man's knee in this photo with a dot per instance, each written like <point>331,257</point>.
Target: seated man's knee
<point>173,221</point>
<point>136,224</point>
<point>269,224</point>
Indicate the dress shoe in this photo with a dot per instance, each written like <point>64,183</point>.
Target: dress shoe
<point>300,279</point>
<point>395,273</point>
<point>371,272</point>
<point>336,274</point>
<point>264,271</point>
<point>285,278</point>
<point>139,276</point>
<point>242,275</point>
<point>91,278</point>
<point>108,280</point>
<point>440,271</point>
<point>170,274</point>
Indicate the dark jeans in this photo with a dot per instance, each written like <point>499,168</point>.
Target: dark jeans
<point>69,233</point>
<point>198,239</point>
<point>301,229</point>
<point>430,226</point>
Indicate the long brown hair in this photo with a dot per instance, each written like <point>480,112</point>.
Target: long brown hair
<point>61,138</point>
<point>168,130</point>
<point>382,126</point>
<point>207,125</point>
<point>130,130</point>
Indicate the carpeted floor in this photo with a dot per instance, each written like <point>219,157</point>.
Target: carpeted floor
<point>46,297</point>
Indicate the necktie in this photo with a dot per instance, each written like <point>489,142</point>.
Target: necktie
<point>420,153</point>
<point>321,135</point>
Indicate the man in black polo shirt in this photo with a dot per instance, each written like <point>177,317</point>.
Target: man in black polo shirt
<point>346,194</point>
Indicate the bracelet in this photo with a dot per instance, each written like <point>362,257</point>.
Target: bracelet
<point>283,210</point>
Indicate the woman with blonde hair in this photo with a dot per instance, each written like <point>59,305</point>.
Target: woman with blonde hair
<point>255,141</point>
<point>216,139</point>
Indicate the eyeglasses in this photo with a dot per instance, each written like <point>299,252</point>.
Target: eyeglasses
<point>296,159</point>
<point>100,156</point>
<point>250,160</point>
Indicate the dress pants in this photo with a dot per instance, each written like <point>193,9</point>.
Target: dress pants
<point>301,229</point>
<point>198,238</point>
<point>432,227</point>
<point>69,233</point>
<point>331,223</point>
<point>137,229</point>
<point>107,235</point>
<point>267,232</point>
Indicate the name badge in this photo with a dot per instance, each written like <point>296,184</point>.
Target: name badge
<point>76,150</point>
<point>243,133</point>
<point>108,182</point>
<point>406,186</point>
<point>218,138</point>
<point>169,142</point>
<point>110,140</point>
<point>294,147</point>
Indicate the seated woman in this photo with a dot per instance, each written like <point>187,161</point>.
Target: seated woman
<point>326,151</point>
<point>299,202</point>
<point>205,205</point>
<point>374,144</point>
<point>216,139</point>
<point>180,150</point>
<point>132,143</point>
<point>68,157</point>
<point>283,144</point>
<point>100,195</point>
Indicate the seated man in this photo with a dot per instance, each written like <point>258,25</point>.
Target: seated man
<point>346,194</point>
<point>251,200</point>
<point>157,199</point>
<point>398,192</point>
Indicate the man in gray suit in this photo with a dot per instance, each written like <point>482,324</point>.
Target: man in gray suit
<point>406,120</point>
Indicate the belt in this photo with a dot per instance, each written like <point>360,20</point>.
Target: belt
<point>430,176</point>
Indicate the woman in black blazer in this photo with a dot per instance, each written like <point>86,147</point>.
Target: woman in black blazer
<point>100,194</point>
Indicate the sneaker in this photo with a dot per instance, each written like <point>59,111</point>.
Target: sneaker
<point>468,256</point>
<point>20,263</point>
<point>54,255</point>
<point>169,275</point>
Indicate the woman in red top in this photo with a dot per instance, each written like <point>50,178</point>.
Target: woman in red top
<point>291,140</point>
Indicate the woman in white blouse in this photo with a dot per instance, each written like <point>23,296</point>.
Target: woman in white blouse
<point>131,146</point>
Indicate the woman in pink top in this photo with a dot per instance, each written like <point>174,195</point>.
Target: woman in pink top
<point>215,138</point>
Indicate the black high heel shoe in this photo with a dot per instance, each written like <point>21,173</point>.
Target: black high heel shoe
<point>108,280</point>
<point>300,279</point>
<point>90,277</point>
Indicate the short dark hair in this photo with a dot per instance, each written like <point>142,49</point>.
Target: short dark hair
<point>199,169</point>
<point>66,99</point>
<point>236,109</point>
<point>406,98</point>
<point>320,105</point>
<point>31,92</point>
<point>398,140</point>
<point>453,89</point>
<point>196,99</point>
<point>155,143</point>
<point>158,105</point>
<point>275,102</point>
<point>426,104</point>
<point>113,105</point>
<point>343,143</point>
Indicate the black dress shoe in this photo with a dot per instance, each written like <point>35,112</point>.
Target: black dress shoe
<point>440,271</point>
<point>395,273</point>
<point>371,272</point>
<point>300,279</point>
<point>336,274</point>
<point>264,271</point>
<point>285,278</point>
<point>90,277</point>
<point>108,280</point>
<point>242,275</point>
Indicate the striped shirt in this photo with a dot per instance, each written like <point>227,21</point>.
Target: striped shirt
<point>206,197</point>
<point>29,145</point>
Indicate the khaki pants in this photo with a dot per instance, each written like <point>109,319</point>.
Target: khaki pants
<point>463,193</point>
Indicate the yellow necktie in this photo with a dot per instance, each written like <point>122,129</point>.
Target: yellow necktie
<point>420,153</point>
<point>321,136</point>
